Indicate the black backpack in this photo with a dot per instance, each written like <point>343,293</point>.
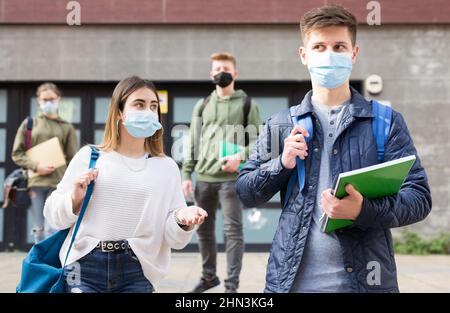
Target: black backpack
<point>16,184</point>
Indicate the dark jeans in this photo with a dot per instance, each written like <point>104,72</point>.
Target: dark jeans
<point>106,272</point>
<point>41,228</point>
<point>208,196</point>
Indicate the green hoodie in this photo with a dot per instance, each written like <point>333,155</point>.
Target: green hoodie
<point>44,129</point>
<point>217,114</point>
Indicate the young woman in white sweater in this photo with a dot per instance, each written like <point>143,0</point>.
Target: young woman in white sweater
<point>137,211</point>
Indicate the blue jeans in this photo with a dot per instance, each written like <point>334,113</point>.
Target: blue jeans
<point>41,228</point>
<point>106,272</point>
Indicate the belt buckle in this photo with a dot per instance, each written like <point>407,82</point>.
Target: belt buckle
<point>111,246</point>
<point>107,246</point>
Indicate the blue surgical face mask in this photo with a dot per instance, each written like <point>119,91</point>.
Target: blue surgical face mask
<point>330,69</point>
<point>141,124</point>
<point>49,107</point>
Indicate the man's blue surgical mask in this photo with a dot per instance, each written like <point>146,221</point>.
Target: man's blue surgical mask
<point>49,107</point>
<point>329,69</point>
<point>142,124</point>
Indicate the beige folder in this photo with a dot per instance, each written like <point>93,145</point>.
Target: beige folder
<point>47,153</point>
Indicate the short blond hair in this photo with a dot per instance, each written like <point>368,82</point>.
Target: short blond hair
<point>223,56</point>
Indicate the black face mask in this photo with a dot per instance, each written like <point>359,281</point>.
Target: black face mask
<point>223,79</point>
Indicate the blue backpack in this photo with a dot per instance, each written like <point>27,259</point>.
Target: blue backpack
<point>381,125</point>
<point>41,269</point>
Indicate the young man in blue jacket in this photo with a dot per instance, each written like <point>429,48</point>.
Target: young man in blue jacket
<point>359,258</point>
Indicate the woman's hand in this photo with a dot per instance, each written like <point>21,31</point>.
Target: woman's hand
<point>191,215</point>
<point>43,170</point>
<point>80,188</point>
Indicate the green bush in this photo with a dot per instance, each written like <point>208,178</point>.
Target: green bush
<point>411,243</point>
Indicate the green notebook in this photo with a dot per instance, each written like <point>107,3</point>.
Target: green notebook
<point>375,181</point>
<point>228,148</point>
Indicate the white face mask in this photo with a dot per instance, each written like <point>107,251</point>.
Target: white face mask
<point>330,69</point>
<point>49,107</point>
<point>141,124</point>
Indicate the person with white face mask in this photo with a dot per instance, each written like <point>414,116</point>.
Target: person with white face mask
<point>137,212</point>
<point>46,125</point>
<point>141,124</point>
<point>329,69</point>
<point>339,138</point>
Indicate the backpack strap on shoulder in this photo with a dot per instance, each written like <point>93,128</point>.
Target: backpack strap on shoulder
<point>28,132</point>
<point>203,106</point>
<point>247,107</point>
<point>381,125</point>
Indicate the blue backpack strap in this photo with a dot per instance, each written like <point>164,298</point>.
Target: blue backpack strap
<point>94,157</point>
<point>305,122</point>
<point>381,125</point>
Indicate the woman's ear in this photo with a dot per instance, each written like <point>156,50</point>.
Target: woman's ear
<point>120,116</point>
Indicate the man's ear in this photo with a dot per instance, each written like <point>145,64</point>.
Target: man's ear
<point>302,54</point>
<point>211,75</point>
<point>236,74</point>
<point>355,53</point>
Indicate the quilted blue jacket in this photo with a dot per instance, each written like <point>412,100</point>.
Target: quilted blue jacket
<point>369,238</point>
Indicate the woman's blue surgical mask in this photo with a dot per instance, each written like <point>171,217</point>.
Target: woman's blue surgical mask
<point>49,107</point>
<point>330,69</point>
<point>141,124</point>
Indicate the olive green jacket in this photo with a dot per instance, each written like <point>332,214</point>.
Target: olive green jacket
<point>44,129</point>
<point>217,115</point>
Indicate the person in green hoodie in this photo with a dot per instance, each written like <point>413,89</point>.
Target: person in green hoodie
<point>46,125</point>
<point>217,121</point>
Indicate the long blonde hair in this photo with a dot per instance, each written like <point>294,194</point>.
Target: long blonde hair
<point>111,138</point>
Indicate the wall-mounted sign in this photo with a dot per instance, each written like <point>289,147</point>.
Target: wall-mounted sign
<point>163,101</point>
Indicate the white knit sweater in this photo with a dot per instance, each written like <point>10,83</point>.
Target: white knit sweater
<point>133,199</point>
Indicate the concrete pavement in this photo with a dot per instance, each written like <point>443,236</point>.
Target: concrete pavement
<point>415,273</point>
